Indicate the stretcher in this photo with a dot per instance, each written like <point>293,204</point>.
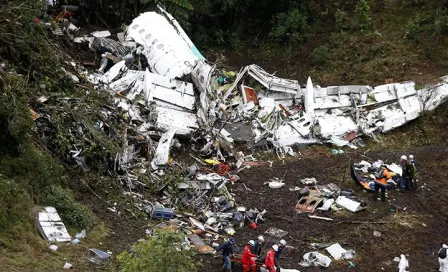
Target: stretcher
<point>236,258</point>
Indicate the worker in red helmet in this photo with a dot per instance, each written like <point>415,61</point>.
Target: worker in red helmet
<point>270,259</point>
<point>247,260</point>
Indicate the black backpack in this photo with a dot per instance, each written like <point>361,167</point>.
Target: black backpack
<point>442,253</point>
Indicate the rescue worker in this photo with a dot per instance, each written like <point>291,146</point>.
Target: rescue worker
<point>443,259</point>
<point>270,259</point>
<point>406,171</point>
<point>281,246</point>
<point>227,250</point>
<point>256,249</point>
<point>381,179</point>
<point>248,258</point>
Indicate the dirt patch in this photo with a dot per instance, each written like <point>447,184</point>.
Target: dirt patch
<point>416,222</point>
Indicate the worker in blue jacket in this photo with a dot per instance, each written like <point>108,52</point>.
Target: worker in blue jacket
<point>227,251</point>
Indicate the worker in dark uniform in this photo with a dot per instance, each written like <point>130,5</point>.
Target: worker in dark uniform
<point>281,246</point>
<point>227,251</point>
<point>406,171</point>
<point>256,249</point>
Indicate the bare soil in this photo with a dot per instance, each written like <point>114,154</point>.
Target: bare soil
<point>416,221</point>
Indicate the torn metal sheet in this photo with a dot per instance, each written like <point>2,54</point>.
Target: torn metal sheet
<point>113,72</point>
<point>433,96</point>
<point>163,149</point>
<point>335,125</point>
<point>389,92</point>
<point>165,119</point>
<point>51,226</point>
<point>249,95</point>
<point>269,81</point>
<point>167,52</point>
<point>163,90</point>
<point>97,256</point>
<point>308,204</point>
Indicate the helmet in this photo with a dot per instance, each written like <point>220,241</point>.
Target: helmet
<point>411,157</point>
<point>404,158</point>
<point>261,238</point>
<point>251,242</point>
<point>275,247</point>
<point>283,242</point>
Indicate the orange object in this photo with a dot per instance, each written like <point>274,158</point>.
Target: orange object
<point>223,169</point>
<point>386,177</point>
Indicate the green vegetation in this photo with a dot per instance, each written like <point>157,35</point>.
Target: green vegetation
<point>162,252</point>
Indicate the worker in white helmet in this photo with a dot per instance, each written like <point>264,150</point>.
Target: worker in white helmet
<point>406,171</point>
<point>248,258</point>
<point>270,259</point>
<point>256,249</point>
<point>281,246</point>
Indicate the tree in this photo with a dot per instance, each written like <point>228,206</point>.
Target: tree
<point>162,252</point>
<point>363,19</point>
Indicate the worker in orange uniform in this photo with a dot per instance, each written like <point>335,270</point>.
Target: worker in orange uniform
<point>381,179</point>
<point>248,258</point>
<point>270,259</point>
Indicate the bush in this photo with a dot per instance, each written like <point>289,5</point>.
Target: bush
<point>363,19</point>
<point>320,55</point>
<point>341,20</point>
<point>413,28</point>
<point>289,27</point>
<point>72,213</point>
<point>15,205</point>
<point>162,253</point>
<point>441,22</point>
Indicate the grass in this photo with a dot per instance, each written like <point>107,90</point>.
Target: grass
<point>34,253</point>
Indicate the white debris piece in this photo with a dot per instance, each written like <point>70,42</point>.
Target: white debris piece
<point>403,265</point>
<point>167,52</point>
<point>315,259</point>
<point>163,149</point>
<point>101,34</point>
<point>67,265</point>
<point>269,81</point>
<point>331,125</point>
<point>349,204</point>
<point>113,72</point>
<point>336,251</point>
<point>166,119</point>
<point>51,226</point>
<point>309,97</point>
